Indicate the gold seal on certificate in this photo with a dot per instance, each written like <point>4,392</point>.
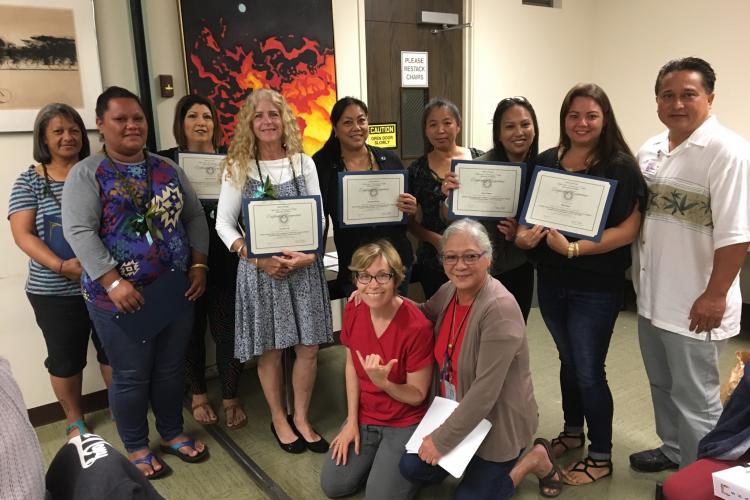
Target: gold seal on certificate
<point>574,204</point>
<point>487,190</point>
<point>275,225</point>
<point>204,171</point>
<point>367,198</point>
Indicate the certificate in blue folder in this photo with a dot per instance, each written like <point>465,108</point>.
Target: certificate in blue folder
<point>164,300</point>
<point>54,238</point>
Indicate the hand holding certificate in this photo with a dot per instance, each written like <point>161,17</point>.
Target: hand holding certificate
<point>203,170</point>
<point>488,190</point>
<point>576,205</point>
<point>275,225</point>
<point>367,198</point>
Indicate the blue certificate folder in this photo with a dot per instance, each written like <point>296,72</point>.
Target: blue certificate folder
<point>519,195</point>
<point>256,235</point>
<point>342,175</point>
<point>561,208</point>
<point>164,300</point>
<point>54,239</point>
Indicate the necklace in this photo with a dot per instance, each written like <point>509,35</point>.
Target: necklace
<point>267,187</point>
<point>370,160</point>
<point>48,188</point>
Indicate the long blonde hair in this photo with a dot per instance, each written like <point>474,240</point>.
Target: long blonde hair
<point>244,149</point>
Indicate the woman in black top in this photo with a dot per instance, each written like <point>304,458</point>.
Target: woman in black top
<point>196,130</point>
<point>441,123</point>
<point>580,282</point>
<point>347,151</point>
<point>515,138</point>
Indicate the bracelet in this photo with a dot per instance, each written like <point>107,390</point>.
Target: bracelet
<point>571,249</point>
<point>59,271</point>
<point>113,285</point>
<point>255,261</point>
<point>576,247</point>
<point>200,266</point>
<point>239,250</point>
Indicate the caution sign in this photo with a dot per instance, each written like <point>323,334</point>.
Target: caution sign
<point>382,135</point>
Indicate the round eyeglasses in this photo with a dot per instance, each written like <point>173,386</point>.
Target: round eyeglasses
<point>468,258</point>
<point>366,278</point>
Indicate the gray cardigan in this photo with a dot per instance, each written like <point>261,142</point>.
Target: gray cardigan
<point>494,378</point>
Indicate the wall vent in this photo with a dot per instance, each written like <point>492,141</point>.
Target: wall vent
<point>540,3</point>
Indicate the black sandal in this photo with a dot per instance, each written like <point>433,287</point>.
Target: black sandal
<point>549,486</point>
<point>589,463</point>
<point>559,441</point>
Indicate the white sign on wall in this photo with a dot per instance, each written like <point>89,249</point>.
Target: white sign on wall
<point>413,69</point>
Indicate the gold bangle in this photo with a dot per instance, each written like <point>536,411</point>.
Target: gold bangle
<point>577,250</point>
<point>200,266</point>
<point>571,249</point>
<point>255,263</point>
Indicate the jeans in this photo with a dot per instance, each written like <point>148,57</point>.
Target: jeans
<point>581,324</point>
<point>376,466</point>
<point>481,480</point>
<point>142,372</point>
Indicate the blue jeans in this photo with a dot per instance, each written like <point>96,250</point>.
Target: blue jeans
<point>142,372</point>
<point>581,324</point>
<point>482,478</point>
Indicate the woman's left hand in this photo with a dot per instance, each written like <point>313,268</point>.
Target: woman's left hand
<point>450,182</point>
<point>557,242</point>
<point>294,260</point>
<point>407,203</point>
<point>427,451</point>
<point>508,227</point>
<point>197,277</point>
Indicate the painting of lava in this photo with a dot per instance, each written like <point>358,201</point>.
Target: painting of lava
<point>234,47</point>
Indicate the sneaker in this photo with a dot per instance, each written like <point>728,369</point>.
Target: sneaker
<point>651,461</point>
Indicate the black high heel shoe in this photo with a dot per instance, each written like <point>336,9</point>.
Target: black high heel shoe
<point>319,446</point>
<point>295,447</point>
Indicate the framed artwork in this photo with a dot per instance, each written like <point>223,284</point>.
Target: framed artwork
<point>234,47</point>
<point>48,53</point>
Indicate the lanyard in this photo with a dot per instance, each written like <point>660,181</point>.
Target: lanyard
<point>266,188</point>
<point>453,337</point>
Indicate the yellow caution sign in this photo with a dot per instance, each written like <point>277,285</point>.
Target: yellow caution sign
<point>382,135</point>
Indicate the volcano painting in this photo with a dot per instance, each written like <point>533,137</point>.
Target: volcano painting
<point>232,48</point>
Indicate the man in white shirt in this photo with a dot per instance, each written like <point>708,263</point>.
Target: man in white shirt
<point>687,259</point>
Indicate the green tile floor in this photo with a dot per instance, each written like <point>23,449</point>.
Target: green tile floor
<point>221,478</point>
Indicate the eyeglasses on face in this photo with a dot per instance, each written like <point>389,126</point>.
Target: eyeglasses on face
<point>468,258</point>
<point>366,278</point>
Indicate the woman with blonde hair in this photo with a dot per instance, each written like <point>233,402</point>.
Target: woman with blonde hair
<point>282,301</point>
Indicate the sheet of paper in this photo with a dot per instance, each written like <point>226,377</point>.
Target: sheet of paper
<point>456,460</point>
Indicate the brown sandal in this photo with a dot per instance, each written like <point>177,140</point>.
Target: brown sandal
<point>560,441</point>
<point>549,486</point>
<point>231,413</point>
<point>208,410</point>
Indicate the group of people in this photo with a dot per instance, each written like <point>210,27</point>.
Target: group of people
<point>133,220</point>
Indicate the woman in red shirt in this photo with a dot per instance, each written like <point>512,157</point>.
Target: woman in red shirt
<point>388,373</point>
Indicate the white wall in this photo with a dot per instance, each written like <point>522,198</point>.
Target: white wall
<point>513,50</point>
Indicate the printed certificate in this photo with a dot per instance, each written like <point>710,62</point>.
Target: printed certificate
<point>488,190</point>
<point>574,204</point>
<point>204,172</point>
<point>367,198</point>
<point>273,226</point>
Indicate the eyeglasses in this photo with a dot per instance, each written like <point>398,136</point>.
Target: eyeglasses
<point>468,258</point>
<point>366,278</point>
<point>518,99</point>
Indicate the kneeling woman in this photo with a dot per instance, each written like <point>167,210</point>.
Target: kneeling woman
<point>388,373</point>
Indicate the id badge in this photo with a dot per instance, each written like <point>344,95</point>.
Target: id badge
<point>449,390</point>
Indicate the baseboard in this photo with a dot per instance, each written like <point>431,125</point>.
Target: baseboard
<point>46,414</point>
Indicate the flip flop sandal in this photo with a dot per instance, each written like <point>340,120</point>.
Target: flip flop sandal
<point>589,463</point>
<point>80,425</point>
<point>147,460</point>
<point>232,410</point>
<point>559,441</point>
<point>206,406</point>
<point>174,449</point>
<point>549,482</point>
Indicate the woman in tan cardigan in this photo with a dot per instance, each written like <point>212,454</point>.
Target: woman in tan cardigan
<point>483,363</point>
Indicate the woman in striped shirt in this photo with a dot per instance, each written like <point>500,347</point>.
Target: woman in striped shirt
<point>52,285</point>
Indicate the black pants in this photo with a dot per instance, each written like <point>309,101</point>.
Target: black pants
<point>520,282</point>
